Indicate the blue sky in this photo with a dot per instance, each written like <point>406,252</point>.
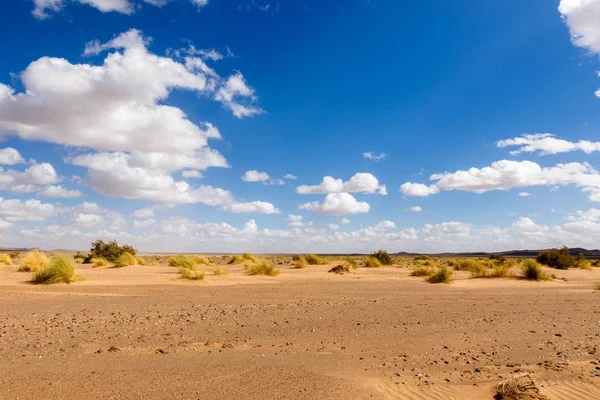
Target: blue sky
<point>172,124</point>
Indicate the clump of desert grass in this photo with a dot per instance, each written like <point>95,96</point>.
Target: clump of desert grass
<point>219,271</point>
<point>182,261</point>
<point>584,264</point>
<point>313,259</point>
<point>191,274</point>
<point>79,258</point>
<point>467,264</point>
<point>33,261</point>
<point>382,256</point>
<point>502,270</point>
<point>261,267</point>
<point>125,260</point>
<point>442,275</point>
<point>99,262</point>
<point>340,269</point>
<point>518,387</point>
<point>5,259</point>
<point>372,262</point>
<point>300,262</point>
<point>531,270</point>
<point>422,271</point>
<point>421,258</point>
<point>240,259</point>
<point>351,261</point>
<point>60,269</point>
<point>202,260</point>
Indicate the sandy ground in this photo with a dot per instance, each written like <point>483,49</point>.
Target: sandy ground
<point>142,333</point>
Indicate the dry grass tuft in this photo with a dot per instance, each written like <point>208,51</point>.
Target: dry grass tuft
<point>351,261</point>
<point>531,270</point>
<point>341,269</point>
<point>60,269</point>
<point>584,264</point>
<point>243,258</point>
<point>5,259</point>
<point>261,267</point>
<point>191,274</point>
<point>99,262</point>
<point>372,262</point>
<point>503,270</point>
<point>313,259</point>
<point>422,271</point>
<point>467,264</point>
<point>300,262</point>
<point>126,260</point>
<point>518,387</point>
<point>442,275</point>
<point>219,271</point>
<point>34,261</point>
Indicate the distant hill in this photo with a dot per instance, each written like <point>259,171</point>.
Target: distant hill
<point>593,254</point>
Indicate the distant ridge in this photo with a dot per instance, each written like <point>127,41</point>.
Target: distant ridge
<point>594,254</point>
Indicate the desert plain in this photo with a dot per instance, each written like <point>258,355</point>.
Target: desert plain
<point>142,332</point>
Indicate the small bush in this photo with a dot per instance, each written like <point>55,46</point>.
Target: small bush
<point>261,267</point>
<point>442,275</point>
<point>60,269</point>
<point>478,270</point>
<point>111,250</point>
<point>559,259</point>
<point>34,261</point>
<point>313,259</point>
<point>125,260</point>
<point>584,264</point>
<point>497,257</point>
<point>340,269</point>
<point>296,257</point>
<point>372,262</point>
<point>422,271</point>
<point>202,260</point>
<point>182,261</point>
<point>421,258</point>
<point>502,270</point>
<point>300,262</point>
<point>351,261</point>
<point>191,274</point>
<point>383,257</point>
<point>531,270</point>
<point>243,258</point>
<point>5,259</point>
<point>99,262</point>
<point>218,271</point>
<point>141,261</point>
<point>15,255</point>
<point>468,264</point>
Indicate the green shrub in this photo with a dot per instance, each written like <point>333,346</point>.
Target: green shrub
<point>60,269</point>
<point>372,262</point>
<point>497,257</point>
<point>559,259</point>
<point>5,259</point>
<point>111,250</point>
<point>442,275</point>
<point>125,260</point>
<point>531,270</point>
<point>261,267</point>
<point>34,261</point>
<point>422,271</point>
<point>383,257</point>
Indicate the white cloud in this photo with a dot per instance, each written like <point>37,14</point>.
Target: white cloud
<point>59,191</point>
<point>296,221</point>
<point>28,180</point>
<point>237,96</point>
<point>334,227</point>
<point>337,204</point>
<point>255,176</point>
<point>192,173</point>
<point>44,8</point>
<point>255,207</point>
<point>375,157</point>
<point>385,225</point>
<point>418,189</point>
<point>10,156</point>
<point>524,194</point>
<point>15,210</point>
<point>144,223</point>
<point>359,183</point>
<point>87,220</point>
<point>546,144</point>
<point>344,221</point>
<point>290,176</point>
<point>582,16</point>
<point>415,209</point>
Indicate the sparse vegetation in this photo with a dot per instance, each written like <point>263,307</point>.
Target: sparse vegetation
<point>313,259</point>
<point>502,270</point>
<point>218,271</point>
<point>191,274</point>
<point>383,257</point>
<point>182,261</point>
<point>111,251</point>
<point>351,261</point>
<point>125,260</point>
<point>467,264</point>
<point>34,261</point>
<point>60,269</point>
<point>240,259</point>
<point>372,262</point>
<point>340,269</point>
<point>531,270</point>
<point>422,271</point>
<point>555,258</point>
<point>497,257</point>
<point>442,275</point>
<point>99,262</point>
<point>261,267</point>
<point>421,258</point>
<point>519,386</point>
<point>202,260</point>
<point>300,262</point>
<point>5,259</point>
<point>15,255</point>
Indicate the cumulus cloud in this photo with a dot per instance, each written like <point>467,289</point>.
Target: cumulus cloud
<point>360,183</point>
<point>296,221</point>
<point>10,156</point>
<point>237,96</point>
<point>546,144</point>
<point>29,180</point>
<point>144,223</point>
<point>254,207</point>
<point>418,189</point>
<point>385,225</point>
<point>582,16</point>
<point>45,8</point>
<point>344,221</point>
<point>337,204</point>
<point>290,176</point>
<point>59,191</point>
<point>375,157</point>
<point>415,209</point>
<point>14,210</point>
<point>255,176</point>
<point>192,173</point>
